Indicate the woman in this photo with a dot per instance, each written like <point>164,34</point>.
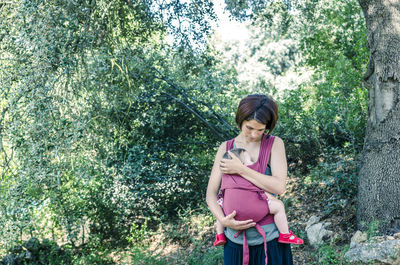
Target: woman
<point>255,115</point>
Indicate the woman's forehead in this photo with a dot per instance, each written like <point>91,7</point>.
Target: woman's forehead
<point>254,124</point>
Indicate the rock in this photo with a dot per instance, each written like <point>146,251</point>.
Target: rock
<point>358,238</point>
<point>313,220</point>
<point>397,235</point>
<point>316,232</point>
<point>386,252</point>
<point>378,238</point>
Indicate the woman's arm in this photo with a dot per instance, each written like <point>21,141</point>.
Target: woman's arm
<point>275,183</point>
<point>211,197</point>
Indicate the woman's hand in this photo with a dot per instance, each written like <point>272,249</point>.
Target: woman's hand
<point>229,221</point>
<point>231,166</point>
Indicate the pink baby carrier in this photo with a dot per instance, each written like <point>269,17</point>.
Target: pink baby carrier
<point>249,201</point>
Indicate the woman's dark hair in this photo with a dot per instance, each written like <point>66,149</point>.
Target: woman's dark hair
<point>260,108</point>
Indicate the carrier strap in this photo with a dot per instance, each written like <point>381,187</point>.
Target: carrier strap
<point>246,252</point>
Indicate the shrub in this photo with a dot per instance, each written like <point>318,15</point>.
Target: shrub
<point>35,252</point>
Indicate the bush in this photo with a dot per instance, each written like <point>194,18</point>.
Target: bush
<point>35,252</point>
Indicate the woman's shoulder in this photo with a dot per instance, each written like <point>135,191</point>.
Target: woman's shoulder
<point>222,148</point>
<point>278,142</point>
<point>277,139</point>
<point>224,144</point>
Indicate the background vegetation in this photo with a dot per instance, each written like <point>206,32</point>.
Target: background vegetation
<point>111,113</point>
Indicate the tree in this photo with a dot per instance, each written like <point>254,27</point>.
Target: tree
<point>379,177</point>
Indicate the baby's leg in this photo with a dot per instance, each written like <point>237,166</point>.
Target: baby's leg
<point>220,228</point>
<point>220,238</point>
<point>277,208</point>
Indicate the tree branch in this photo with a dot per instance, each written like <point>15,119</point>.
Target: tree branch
<point>196,114</point>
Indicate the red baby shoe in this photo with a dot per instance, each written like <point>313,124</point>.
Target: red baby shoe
<point>220,240</point>
<point>290,238</point>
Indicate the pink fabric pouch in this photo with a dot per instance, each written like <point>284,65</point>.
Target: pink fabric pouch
<point>248,204</point>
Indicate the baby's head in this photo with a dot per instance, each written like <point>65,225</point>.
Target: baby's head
<point>242,154</point>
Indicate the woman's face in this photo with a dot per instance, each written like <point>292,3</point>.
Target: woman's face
<point>253,130</point>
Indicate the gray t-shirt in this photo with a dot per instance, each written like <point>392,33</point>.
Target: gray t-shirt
<point>252,235</point>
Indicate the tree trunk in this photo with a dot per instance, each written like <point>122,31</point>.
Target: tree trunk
<point>379,176</point>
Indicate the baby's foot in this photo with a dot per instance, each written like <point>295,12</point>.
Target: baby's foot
<point>220,240</point>
<point>290,238</point>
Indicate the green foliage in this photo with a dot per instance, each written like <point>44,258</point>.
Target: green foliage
<point>311,59</point>
<point>337,170</point>
<point>334,181</point>
<point>373,228</point>
<point>138,234</point>
<point>102,121</point>
<point>333,30</point>
<point>242,9</point>
<point>311,123</point>
<point>330,111</point>
<point>333,42</point>
<point>329,255</point>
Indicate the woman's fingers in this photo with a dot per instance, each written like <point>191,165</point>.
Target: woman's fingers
<point>242,225</point>
<point>231,215</point>
<point>238,225</point>
<point>230,166</point>
<point>225,166</point>
<point>234,157</point>
<point>222,166</point>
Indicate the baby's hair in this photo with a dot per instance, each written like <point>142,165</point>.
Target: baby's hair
<point>236,151</point>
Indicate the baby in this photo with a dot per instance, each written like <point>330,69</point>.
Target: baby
<point>276,208</point>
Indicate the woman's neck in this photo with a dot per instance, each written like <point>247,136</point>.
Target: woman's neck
<point>241,139</point>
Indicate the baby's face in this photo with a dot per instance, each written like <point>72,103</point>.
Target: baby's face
<point>245,158</point>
